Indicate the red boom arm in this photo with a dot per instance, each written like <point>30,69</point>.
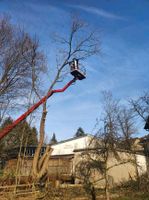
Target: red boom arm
<point>8,128</point>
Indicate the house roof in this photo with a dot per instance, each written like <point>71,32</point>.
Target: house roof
<point>71,139</point>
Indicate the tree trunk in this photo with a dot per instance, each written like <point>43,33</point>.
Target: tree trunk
<point>107,187</point>
<point>137,172</point>
<point>93,193</point>
<point>106,182</point>
<point>40,164</point>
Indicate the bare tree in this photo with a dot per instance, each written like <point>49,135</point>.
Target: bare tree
<point>115,135</point>
<point>20,61</point>
<point>126,119</point>
<point>104,145</point>
<point>108,136</point>
<point>80,43</point>
<point>141,106</point>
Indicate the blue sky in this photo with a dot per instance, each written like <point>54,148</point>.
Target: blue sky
<point>121,68</point>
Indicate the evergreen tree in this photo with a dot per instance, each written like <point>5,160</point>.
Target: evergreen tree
<point>80,132</point>
<point>13,139</point>
<point>53,139</point>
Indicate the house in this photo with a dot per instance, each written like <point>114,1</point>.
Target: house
<point>60,163</point>
<point>121,170</point>
<point>144,142</point>
<point>68,153</point>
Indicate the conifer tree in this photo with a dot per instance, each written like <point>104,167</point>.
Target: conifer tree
<point>53,139</point>
<point>80,132</point>
<point>13,139</point>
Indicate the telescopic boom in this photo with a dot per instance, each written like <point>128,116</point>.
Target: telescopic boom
<point>8,128</point>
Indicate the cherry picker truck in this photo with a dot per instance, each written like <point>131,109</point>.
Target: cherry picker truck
<point>78,75</point>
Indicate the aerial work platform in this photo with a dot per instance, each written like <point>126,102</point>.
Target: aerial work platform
<point>75,71</point>
<point>78,74</point>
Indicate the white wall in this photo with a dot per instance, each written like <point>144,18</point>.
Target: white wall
<point>67,147</point>
<point>142,165</point>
